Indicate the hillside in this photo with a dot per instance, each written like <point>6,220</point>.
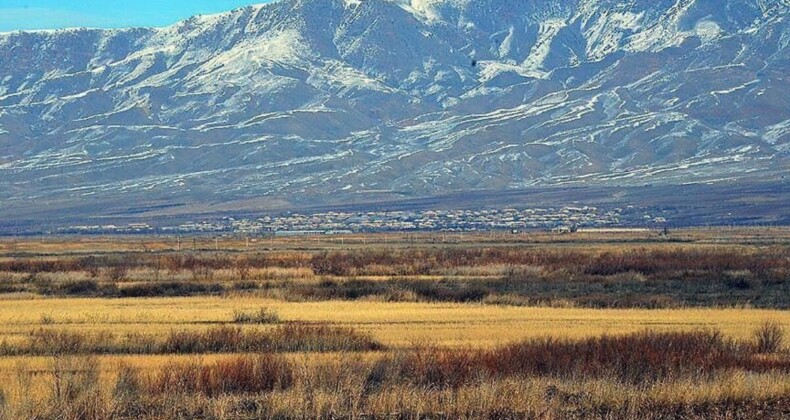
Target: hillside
<point>315,102</point>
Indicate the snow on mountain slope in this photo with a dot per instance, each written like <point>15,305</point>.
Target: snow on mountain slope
<point>318,98</point>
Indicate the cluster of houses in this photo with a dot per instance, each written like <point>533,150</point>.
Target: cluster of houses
<point>427,220</point>
<point>564,219</point>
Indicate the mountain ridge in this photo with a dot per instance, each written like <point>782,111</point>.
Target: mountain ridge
<point>311,101</point>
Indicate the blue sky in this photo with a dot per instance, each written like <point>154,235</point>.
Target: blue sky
<point>56,14</point>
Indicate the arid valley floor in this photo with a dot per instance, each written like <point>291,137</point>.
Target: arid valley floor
<point>535,325</point>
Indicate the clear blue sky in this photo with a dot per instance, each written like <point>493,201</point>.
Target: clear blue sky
<point>56,14</point>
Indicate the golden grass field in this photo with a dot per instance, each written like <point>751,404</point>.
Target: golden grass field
<point>396,324</point>
<point>323,379</point>
<point>393,323</point>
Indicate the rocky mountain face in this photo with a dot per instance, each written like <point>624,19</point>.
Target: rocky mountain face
<point>332,100</point>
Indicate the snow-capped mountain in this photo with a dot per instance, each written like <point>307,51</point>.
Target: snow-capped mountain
<point>323,99</point>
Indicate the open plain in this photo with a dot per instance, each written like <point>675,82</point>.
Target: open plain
<point>688,323</point>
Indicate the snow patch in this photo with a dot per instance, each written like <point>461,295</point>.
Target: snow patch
<point>428,10</point>
<point>734,89</point>
<point>537,56</point>
<point>707,30</point>
<point>246,64</point>
<point>505,47</point>
<point>777,131</point>
<point>491,69</point>
<point>606,34</point>
<point>664,33</point>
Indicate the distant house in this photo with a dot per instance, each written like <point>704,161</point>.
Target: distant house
<point>614,230</point>
<point>338,232</point>
<point>561,229</point>
<point>284,233</point>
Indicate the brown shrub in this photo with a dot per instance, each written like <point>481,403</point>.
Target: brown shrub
<point>75,391</point>
<point>769,337</point>
<point>261,316</point>
<point>637,358</point>
<point>118,272</point>
<point>286,338</point>
<point>239,375</point>
<point>646,356</point>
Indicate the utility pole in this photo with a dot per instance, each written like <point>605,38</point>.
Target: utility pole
<point>14,244</point>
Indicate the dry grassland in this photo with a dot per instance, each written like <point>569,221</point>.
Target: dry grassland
<point>393,323</point>
<point>627,325</point>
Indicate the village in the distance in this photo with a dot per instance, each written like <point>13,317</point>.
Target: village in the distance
<point>564,219</point>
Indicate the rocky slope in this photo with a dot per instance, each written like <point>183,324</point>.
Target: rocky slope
<point>322,100</point>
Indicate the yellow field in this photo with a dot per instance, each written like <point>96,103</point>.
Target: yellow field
<point>399,303</point>
<point>394,324</point>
